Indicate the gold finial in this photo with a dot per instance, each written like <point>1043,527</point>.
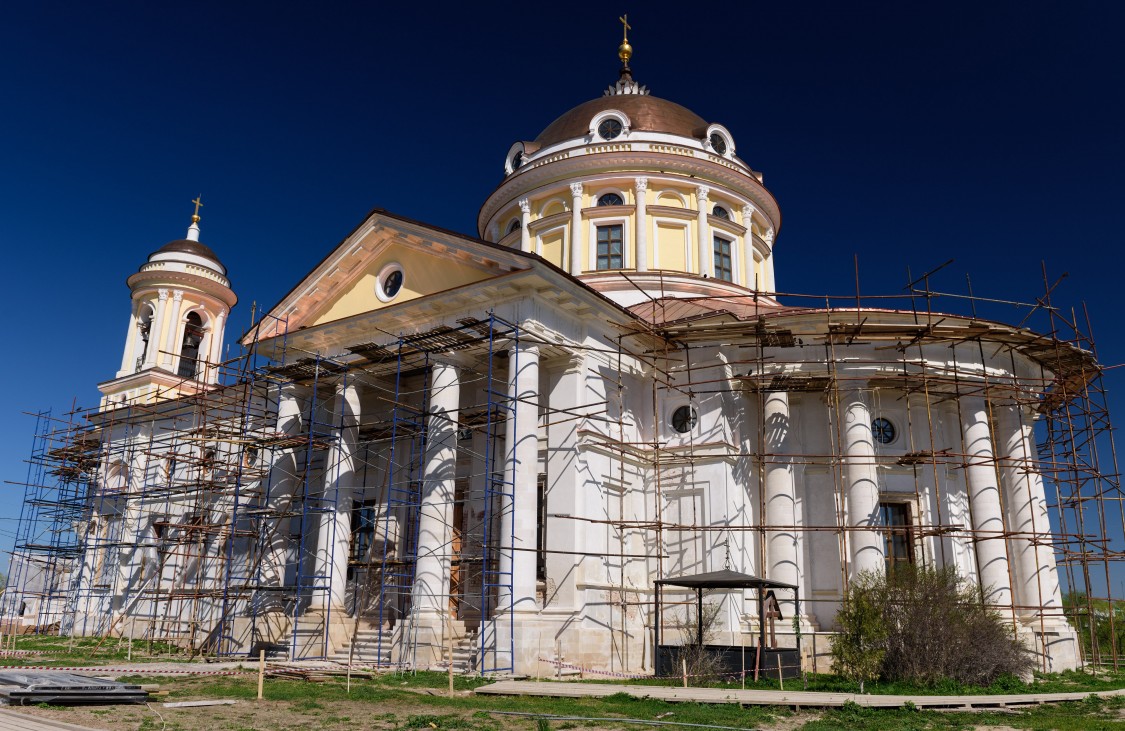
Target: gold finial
<point>198,201</point>
<point>625,51</point>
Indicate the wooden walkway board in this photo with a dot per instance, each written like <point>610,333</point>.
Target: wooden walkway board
<point>776,697</point>
<point>12,721</point>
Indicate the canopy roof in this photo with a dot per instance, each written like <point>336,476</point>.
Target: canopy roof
<point>725,579</point>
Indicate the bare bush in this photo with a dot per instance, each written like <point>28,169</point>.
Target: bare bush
<point>923,626</point>
<point>699,660</point>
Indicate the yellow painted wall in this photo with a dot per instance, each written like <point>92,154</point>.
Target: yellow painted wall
<point>424,273</point>
<point>551,246</point>
<point>671,243</point>
<point>665,198</point>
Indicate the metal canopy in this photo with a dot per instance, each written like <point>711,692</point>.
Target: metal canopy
<point>725,579</point>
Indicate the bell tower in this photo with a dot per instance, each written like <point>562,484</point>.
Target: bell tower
<point>181,299</point>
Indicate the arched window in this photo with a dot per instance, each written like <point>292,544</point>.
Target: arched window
<point>514,225</point>
<point>610,199</point>
<point>720,212</point>
<point>189,350</point>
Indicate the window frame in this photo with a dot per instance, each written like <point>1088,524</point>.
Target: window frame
<point>595,245</point>
<point>716,240</point>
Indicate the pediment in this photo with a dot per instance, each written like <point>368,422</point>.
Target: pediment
<point>344,284</point>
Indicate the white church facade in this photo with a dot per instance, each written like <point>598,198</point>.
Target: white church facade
<point>440,445</point>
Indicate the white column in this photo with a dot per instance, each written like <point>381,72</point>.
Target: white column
<point>171,354</point>
<point>1037,588</point>
<point>861,479</point>
<point>521,445</point>
<point>435,522</point>
<point>984,503</point>
<point>781,497</point>
<point>525,221</point>
<point>748,247</point>
<point>576,228</point>
<point>768,283</point>
<point>640,185</point>
<point>216,351</point>
<point>284,478</point>
<point>155,328</point>
<point>705,255</point>
<point>334,536</point>
<point>128,359</point>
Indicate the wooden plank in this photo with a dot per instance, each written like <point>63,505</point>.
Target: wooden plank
<point>12,721</point>
<point>776,697</point>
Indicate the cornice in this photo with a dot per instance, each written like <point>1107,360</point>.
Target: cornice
<point>531,183</point>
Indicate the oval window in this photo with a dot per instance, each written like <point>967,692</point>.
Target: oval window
<point>390,282</point>
<point>683,419</point>
<point>718,144</point>
<point>610,128</point>
<point>883,430</point>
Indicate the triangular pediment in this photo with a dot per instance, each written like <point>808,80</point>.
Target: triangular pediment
<point>347,282</point>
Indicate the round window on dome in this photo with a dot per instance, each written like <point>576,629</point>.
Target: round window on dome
<point>720,212</point>
<point>610,128</point>
<point>718,143</point>
<point>610,199</point>
<point>389,282</point>
<point>517,160</point>
<point>683,419</point>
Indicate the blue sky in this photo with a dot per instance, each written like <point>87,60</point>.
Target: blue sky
<point>906,134</point>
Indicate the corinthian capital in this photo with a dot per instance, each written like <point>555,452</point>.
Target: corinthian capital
<point>703,192</point>
<point>525,205</point>
<point>163,294</point>
<point>641,184</point>
<point>177,295</point>
<point>576,189</point>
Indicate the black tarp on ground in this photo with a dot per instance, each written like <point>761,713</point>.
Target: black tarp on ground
<point>24,688</point>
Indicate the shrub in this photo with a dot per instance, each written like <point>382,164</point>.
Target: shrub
<point>699,660</point>
<point>923,626</point>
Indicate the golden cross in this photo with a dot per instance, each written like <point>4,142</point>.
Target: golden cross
<point>625,31</point>
<point>198,201</point>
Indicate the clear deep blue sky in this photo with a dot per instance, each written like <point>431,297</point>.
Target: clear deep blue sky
<point>906,133</point>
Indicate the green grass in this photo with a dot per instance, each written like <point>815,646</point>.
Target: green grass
<point>398,700</point>
<point>58,650</point>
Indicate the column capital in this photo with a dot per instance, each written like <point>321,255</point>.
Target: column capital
<point>768,238</point>
<point>748,211</point>
<point>525,205</point>
<point>162,294</point>
<point>576,189</point>
<point>640,184</point>
<point>703,192</point>
<point>177,295</point>
<point>525,347</point>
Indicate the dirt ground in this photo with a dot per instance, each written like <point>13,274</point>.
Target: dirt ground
<point>298,716</point>
<point>322,715</point>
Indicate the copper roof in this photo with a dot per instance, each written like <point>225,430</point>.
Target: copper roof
<point>668,310</point>
<point>188,246</point>
<point>646,113</point>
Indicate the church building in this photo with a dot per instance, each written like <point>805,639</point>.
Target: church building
<point>486,449</point>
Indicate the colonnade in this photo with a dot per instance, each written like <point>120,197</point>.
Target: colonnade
<point>1009,525</point>
<point>431,587</point>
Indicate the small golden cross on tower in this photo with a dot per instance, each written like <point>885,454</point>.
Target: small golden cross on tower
<point>198,201</point>
<point>625,51</point>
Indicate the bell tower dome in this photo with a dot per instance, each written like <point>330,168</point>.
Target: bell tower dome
<point>181,299</point>
<point>639,197</point>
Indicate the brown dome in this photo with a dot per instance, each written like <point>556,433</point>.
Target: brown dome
<point>646,113</point>
<point>187,246</point>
